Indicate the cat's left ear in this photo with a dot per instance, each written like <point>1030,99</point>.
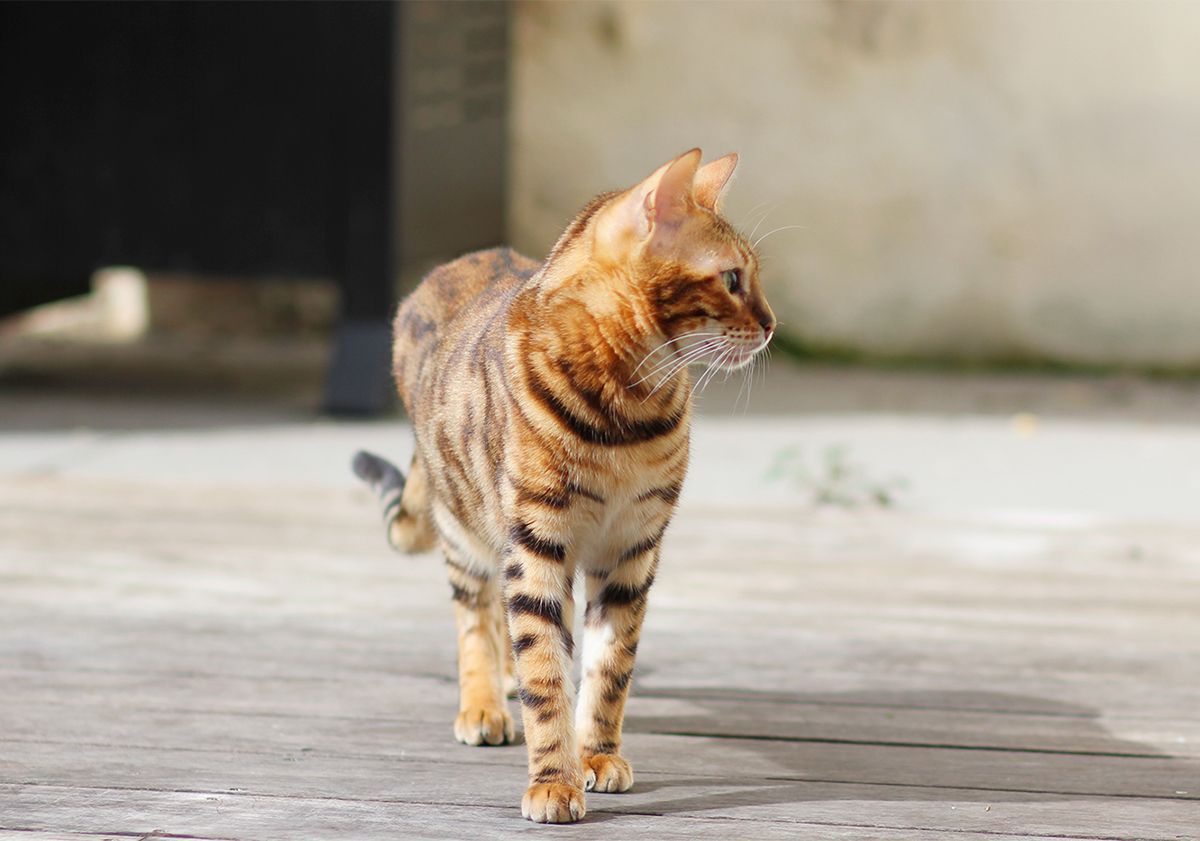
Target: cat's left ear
<point>713,179</point>
<point>667,204</point>
<point>657,204</point>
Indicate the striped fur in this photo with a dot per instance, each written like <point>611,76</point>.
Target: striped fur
<point>386,480</point>
<point>551,405</point>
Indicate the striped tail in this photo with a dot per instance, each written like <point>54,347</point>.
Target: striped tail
<point>384,478</point>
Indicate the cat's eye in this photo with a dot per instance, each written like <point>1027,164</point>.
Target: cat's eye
<point>732,278</point>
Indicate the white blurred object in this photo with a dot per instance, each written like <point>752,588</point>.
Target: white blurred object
<point>122,302</point>
<point>116,310</point>
<point>1024,424</point>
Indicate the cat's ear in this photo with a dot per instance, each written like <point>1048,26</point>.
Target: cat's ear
<point>661,199</point>
<point>667,204</point>
<point>712,180</point>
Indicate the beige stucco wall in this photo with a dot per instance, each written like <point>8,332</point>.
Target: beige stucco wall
<point>975,179</point>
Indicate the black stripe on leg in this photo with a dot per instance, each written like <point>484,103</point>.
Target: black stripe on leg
<point>466,570</point>
<point>533,700</point>
<point>605,746</point>
<point>547,609</point>
<point>523,536</point>
<point>622,595</point>
<point>546,750</point>
<point>617,684</point>
<point>668,494</point>
<point>523,643</point>
<point>548,774</point>
<point>644,546</point>
<point>464,596</point>
<point>602,722</point>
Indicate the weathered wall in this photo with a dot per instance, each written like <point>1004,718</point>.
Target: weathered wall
<point>975,179</point>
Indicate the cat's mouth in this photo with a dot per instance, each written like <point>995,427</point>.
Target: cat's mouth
<point>741,356</point>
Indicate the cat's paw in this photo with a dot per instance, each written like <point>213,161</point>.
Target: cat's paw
<point>484,726</point>
<point>607,772</point>
<point>553,803</point>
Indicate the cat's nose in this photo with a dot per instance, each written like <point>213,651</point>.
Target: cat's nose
<point>761,313</point>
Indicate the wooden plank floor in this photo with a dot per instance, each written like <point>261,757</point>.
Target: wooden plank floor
<point>235,662</point>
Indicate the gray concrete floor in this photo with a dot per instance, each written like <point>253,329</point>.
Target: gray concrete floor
<point>202,633</point>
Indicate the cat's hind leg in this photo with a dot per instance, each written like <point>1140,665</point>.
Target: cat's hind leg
<point>508,671</point>
<point>411,530</point>
<point>483,717</point>
<point>405,500</point>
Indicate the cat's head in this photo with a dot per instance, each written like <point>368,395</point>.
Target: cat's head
<point>688,273</point>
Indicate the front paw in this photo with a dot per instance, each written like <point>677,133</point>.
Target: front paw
<point>607,772</point>
<point>553,803</point>
<point>484,726</point>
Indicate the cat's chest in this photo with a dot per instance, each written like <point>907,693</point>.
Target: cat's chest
<point>600,531</point>
<point>619,511</point>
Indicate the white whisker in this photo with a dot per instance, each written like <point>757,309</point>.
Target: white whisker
<point>746,378</point>
<point>646,358</point>
<point>750,383</point>
<point>766,213</point>
<point>676,356</point>
<point>700,340</point>
<point>670,360</point>
<point>777,230</point>
<point>693,356</point>
<point>696,382</point>
<point>720,366</point>
<point>713,367</point>
<point>759,207</point>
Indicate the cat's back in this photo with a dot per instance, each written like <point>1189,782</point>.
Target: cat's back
<point>450,301</point>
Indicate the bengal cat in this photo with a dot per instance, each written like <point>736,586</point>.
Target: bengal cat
<point>551,404</point>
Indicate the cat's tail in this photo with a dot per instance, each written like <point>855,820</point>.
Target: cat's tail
<point>404,501</point>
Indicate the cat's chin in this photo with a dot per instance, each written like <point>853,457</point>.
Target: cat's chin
<point>741,359</point>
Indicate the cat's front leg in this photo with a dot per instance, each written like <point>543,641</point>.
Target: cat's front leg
<point>616,606</point>
<point>537,589</point>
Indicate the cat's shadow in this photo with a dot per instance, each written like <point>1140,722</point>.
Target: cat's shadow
<point>753,748</point>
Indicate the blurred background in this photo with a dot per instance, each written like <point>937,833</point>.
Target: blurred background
<point>1009,182</point>
<point>941,552</point>
<point>967,207</point>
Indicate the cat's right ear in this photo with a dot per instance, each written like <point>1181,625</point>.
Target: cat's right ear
<point>712,180</point>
